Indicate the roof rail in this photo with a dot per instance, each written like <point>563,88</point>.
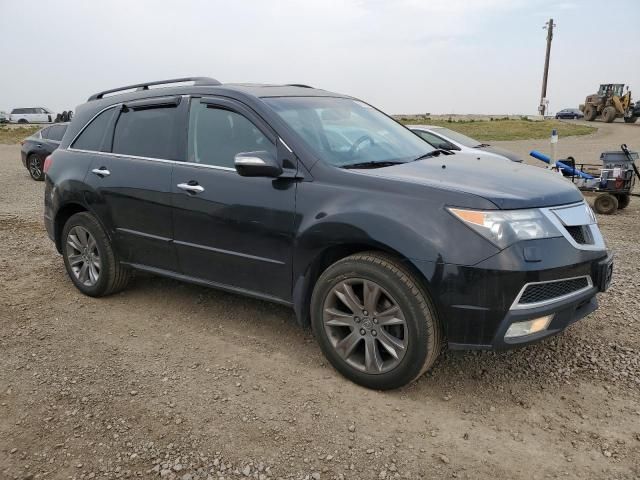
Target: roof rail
<point>301,85</point>
<point>146,85</point>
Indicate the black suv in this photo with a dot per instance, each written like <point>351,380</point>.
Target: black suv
<point>316,200</point>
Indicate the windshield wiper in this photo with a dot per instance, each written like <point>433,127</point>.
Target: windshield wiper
<point>370,164</point>
<point>433,153</point>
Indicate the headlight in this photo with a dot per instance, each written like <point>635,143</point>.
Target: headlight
<point>505,227</point>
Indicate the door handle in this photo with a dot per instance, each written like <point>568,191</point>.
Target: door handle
<point>191,188</point>
<point>101,172</point>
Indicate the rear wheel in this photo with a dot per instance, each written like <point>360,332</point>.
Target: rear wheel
<point>374,321</point>
<point>89,258</point>
<point>605,204</point>
<point>609,114</point>
<point>590,113</point>
<point>34,164</point>
<point>623,200</point>
<point>23,120</point>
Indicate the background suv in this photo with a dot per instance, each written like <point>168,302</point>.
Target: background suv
<point>32,115</point>
<point>319,201</point>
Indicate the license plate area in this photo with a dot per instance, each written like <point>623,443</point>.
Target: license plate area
<point>604,274</point>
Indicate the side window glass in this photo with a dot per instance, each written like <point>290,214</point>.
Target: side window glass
<point>429,137</point>
<point>94,135</point>
<point>216,135</point>
<point>56,132</point>
<point>44,133</point>
<point>149,132</point>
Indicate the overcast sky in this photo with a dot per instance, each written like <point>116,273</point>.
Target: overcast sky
<point>404,56</point>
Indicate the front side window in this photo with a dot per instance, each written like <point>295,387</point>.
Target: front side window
<point>217,135</point>
<point>94,136</point>
<point>344,132</point>
<point>148,132</point>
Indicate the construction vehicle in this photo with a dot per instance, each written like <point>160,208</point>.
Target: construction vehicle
<point>612,101</point>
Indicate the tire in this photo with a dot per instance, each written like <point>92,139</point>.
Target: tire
<point>609,114</point>
<point>35,167</point>
<point>590,113</point>
<point>413,330</point>
<point>605,204</point>
<point>630,119</point>
<point>111,277</point>
<point>623,200</point>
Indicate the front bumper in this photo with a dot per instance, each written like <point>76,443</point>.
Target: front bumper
<point>476,303</point>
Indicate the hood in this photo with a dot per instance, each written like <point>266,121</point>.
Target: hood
<point>508,185</point>
<point>514,157</point>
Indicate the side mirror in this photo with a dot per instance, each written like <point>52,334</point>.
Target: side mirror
<point>257,164</point>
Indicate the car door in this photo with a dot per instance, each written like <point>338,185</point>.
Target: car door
<point>229,230</point>
<point>131,179</point>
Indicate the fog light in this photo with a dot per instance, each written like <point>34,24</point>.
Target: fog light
<point>519,329</point>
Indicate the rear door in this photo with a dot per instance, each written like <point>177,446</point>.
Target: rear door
<point>230,230</point>
<point>131,179</point>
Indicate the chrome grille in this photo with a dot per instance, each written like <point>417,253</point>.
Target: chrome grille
<point>580,234</point>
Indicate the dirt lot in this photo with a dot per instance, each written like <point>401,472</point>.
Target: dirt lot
<point>177,381</point>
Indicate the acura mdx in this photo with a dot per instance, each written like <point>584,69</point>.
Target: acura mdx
<point>387,248</point>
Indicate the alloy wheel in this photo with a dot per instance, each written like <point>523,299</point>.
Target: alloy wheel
<point>83,256</point>
<point>34,167</point>
<point>365,325</point>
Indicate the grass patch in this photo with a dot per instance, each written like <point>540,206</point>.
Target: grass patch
<point>506,129</point>
<point>11,135</point>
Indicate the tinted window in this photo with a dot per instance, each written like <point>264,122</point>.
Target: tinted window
<point>44,133</point>
<point>93,136</point>
<point>217,135</point>
<point>151,132</point>
<point>17,111</point>
<point>56,132</point>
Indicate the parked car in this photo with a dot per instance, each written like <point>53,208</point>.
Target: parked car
<point>32,115</point>
<point>447,139</point>
<point>384,246</point>
<point>4,117</point>
<point>573,113</point>
<point>36,148</point>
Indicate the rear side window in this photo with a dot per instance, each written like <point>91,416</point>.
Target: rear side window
<point>149,132</point>
<point>94,135</point>
<point>44,133</point>
<point>17,111</point>
<point>56,132</point>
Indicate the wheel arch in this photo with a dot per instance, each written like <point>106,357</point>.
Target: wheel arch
<point>305,282</point>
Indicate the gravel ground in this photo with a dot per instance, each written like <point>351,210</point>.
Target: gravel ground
<point>168,380</point>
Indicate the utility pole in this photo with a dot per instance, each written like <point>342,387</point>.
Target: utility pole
<point>543,96</point>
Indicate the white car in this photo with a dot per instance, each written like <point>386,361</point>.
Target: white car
<point>446,139</point>
<point>32,115</point>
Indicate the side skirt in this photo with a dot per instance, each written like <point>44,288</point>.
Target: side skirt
<point>207,283</point>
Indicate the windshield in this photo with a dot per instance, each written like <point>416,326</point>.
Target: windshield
<point>457,137</point>
<point>346,132</point>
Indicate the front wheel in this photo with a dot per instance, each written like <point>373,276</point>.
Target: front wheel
<point>89,258</point>
<point>374,322</point>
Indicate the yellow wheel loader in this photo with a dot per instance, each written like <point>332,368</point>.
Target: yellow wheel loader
<point>612,101</point>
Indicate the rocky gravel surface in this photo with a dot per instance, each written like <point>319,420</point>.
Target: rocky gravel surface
<point>174,381</point>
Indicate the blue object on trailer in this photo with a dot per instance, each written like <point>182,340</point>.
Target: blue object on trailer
<point>567,168</point>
